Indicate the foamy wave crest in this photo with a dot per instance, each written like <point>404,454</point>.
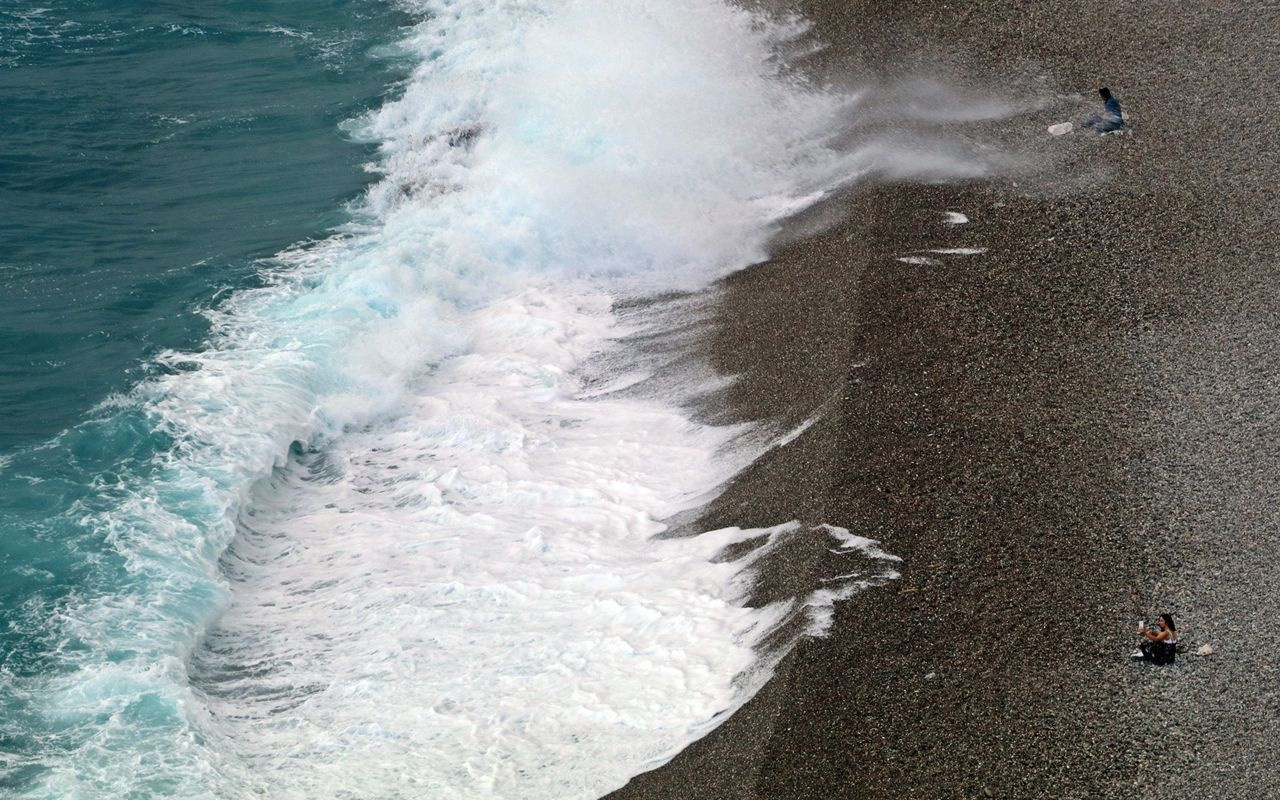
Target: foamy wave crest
<point>397,549</point>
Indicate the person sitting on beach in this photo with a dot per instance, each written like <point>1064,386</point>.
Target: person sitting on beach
<point>1159,646</point>
<point>1111,119</point>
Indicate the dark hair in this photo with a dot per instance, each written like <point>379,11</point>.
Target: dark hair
<point>1168,620</point>
<point>1105,92</point>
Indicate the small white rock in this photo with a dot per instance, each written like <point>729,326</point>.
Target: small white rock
<point>1205,650</point>
<point>931,676</point>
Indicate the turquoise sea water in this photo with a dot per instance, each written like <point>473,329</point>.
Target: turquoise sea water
<point>150,155</point>
<point>149,152</point>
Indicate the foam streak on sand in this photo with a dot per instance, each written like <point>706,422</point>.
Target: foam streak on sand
<point>435,553</point>
<point>959,251</point>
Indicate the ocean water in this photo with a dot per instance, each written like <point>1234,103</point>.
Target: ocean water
<point>326,471</point>
<point>150,155</point>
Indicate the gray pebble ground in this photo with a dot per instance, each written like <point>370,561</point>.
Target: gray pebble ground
<point>1088,408</point>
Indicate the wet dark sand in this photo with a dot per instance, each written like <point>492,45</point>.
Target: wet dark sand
<point>1087,408</point>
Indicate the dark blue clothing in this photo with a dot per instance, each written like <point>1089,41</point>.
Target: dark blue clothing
<point>1113,114</point>
<point>1112,118</point>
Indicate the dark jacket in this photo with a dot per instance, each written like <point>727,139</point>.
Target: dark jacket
<point>1112,112</point>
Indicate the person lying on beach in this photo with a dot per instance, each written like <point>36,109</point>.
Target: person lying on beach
<point>1158,646</point>
<point>1111,119</point>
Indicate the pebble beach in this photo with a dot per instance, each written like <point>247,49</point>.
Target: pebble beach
<point>1061,414</point>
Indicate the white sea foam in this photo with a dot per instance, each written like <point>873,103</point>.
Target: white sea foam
<point>452,587</point>
<point>797,432</point>
<point>959,251</point>
<point>472,592</point>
